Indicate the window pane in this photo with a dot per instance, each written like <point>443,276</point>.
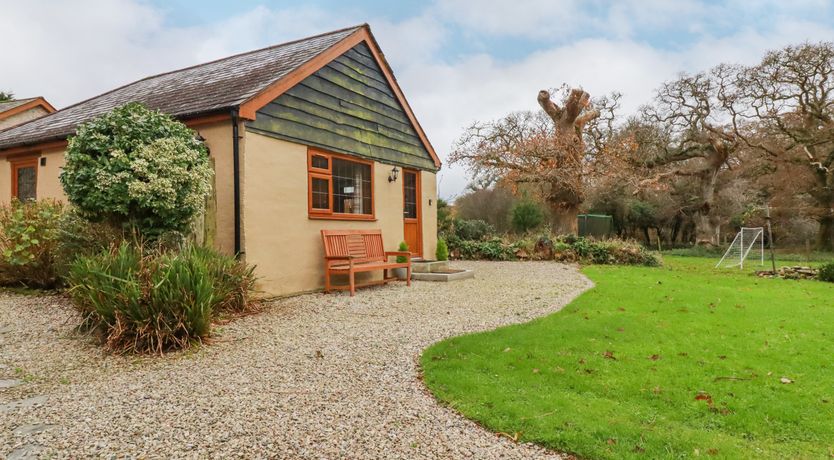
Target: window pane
<point>352,192</point>
<point>321,193</point>
<point>410,192</point>
<point>319,162</point>
<point>26,184</point>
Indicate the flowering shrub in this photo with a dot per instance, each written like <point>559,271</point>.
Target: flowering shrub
<point>139,169</point>
<point>29,233</point>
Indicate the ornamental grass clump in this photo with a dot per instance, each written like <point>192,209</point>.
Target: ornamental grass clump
<point>152,301</point>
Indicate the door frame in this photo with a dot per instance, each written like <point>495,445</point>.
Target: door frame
<point>25,162</point>
<point>419,219</point>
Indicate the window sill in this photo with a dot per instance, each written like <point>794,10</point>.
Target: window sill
<point>341,217</point>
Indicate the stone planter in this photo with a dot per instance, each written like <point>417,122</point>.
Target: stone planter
<point>400,273</point>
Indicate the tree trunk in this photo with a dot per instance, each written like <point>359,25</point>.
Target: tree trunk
<point>704,230</point>
<point>564,220</point>
<point>825,234</point>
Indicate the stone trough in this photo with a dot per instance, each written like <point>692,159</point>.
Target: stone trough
<point>437,270</point>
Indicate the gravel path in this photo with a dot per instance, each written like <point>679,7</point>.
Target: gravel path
<point>314,376</point>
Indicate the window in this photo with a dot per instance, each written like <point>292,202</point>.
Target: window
<point>409,195</point>
<point>340,187</point>
<point>25,179</point>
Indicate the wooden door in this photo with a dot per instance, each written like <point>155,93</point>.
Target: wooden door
<point>25,179</point>
<point>412,218</point>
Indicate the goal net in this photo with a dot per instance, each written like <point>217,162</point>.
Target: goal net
<point>749,239</point>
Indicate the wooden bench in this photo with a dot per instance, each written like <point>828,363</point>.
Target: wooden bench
<point>347,252</point>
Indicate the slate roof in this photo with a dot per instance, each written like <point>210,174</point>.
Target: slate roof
<point>6,106</point>
<point>201,89</point>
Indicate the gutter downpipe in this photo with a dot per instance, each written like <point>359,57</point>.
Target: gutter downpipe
<point>236,179</point>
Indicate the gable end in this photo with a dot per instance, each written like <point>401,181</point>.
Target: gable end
<point>348,106</point>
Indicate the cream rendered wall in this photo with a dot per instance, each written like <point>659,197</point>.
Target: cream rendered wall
<point>49,186</point>
<point>280,238</point>
<point>23,117</point>
<point>428,185</point>
<point>49,183</point>
<point>218,138</point>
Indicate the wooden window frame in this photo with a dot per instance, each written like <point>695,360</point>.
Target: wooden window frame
<point>26,162</point>
<point>321,173</point>
<point>418,195</point>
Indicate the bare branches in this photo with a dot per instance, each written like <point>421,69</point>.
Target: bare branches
<point>555,149</point>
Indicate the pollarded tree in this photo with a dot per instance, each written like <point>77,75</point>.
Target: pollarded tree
<point>687,137</point>
<point>139,169</point>
<point>555,151</point>
<point>790,96</point>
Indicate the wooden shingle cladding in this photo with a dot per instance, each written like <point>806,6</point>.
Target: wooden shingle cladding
<point>348,107</point>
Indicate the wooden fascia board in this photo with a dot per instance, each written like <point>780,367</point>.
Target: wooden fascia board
<point>191,123</point>
<point>207,120</point>
<point>248,109</point>
<point>24,149</point>
<point>38,102</point>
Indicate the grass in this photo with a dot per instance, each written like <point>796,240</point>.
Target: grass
<point>788,256</point>
<point>672,362</point>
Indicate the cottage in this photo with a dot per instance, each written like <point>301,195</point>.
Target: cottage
<point>307,135</point>
<point>19,111</point>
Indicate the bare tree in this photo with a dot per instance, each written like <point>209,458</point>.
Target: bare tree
<point>688,135</point>
<point>789,97</point>
<point>555,151</point>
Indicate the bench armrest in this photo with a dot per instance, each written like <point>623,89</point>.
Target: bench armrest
<point>398,253</point>
<point>339,257</point>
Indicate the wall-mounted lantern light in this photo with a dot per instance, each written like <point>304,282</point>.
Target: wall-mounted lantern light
<point>392,177</point>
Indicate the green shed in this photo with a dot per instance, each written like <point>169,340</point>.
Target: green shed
<point>595,225</point>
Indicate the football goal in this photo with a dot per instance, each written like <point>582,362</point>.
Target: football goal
<point>749,239</point>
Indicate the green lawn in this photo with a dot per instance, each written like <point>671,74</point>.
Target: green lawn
<point>670,362</point>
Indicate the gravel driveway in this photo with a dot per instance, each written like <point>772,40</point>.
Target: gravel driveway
<point>314,376</point>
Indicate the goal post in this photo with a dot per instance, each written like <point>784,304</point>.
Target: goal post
<point>741,247</point>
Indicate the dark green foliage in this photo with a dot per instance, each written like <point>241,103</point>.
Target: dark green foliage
<point>492,249</point>
<point>604,252</point>
<point>444,217</point>
<point>28,239</point>
<point>79,237</point>
<point>139,169</point>
<point>442,251</point>
<point>567,248</point>
<point>403,247</point>
<point>6,96</point>
<point>472,230</point>
<point>150,301</point>
<point>526,216</point>
<point>826,272</point>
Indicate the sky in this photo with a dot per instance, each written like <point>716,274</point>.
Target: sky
<point>457,61</point>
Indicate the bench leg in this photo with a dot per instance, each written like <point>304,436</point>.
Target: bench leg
<point>352,283</point>
<point>408,275</point>
<point>327,281</point>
